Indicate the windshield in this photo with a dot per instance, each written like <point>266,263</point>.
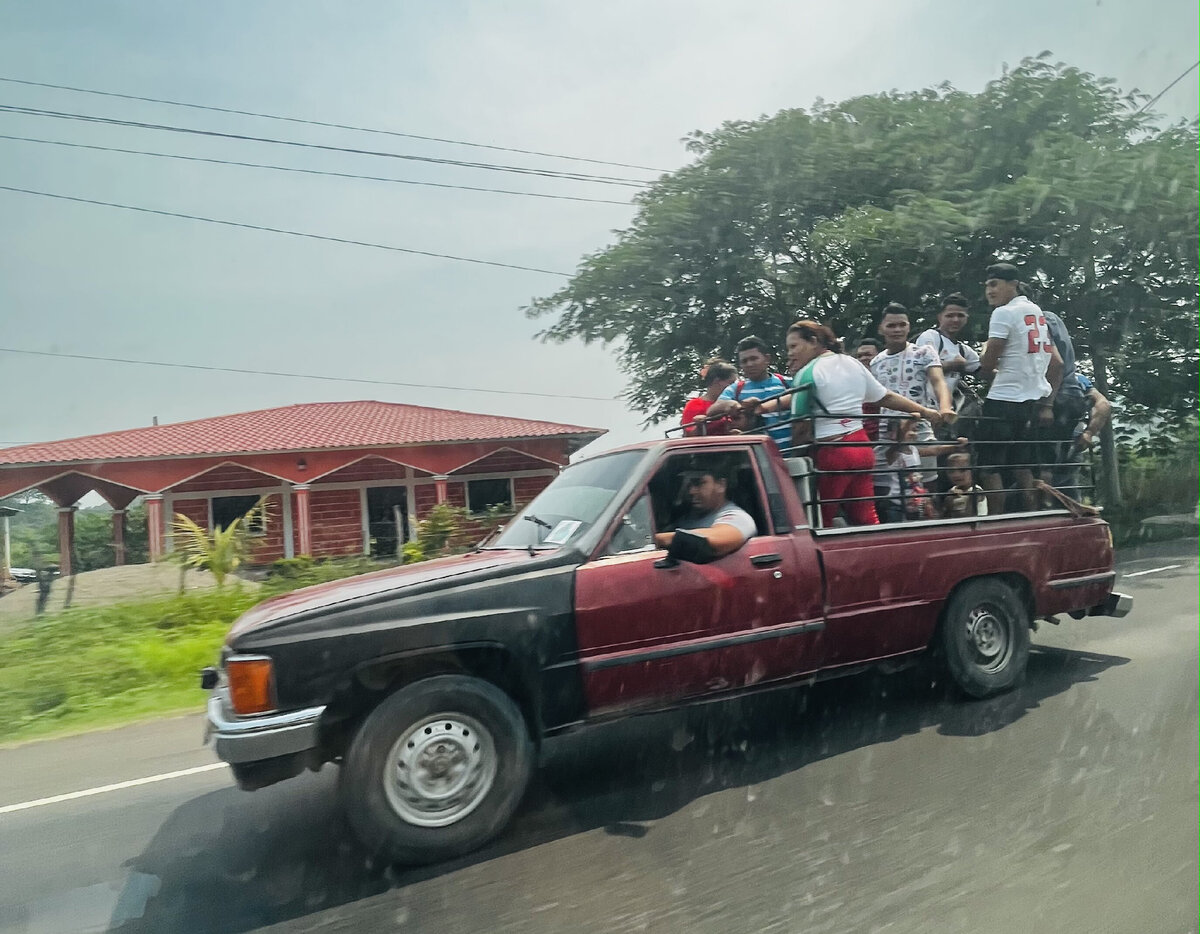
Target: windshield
<point>570,505</point>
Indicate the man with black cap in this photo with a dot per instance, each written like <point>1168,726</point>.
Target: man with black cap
<point>1027,369</point>
<point>713,516</point>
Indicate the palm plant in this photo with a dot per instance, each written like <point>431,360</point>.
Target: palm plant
<point>220,551</point>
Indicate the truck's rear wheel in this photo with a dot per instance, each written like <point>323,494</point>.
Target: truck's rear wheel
<point>985,637</point>
<point>436,770</point>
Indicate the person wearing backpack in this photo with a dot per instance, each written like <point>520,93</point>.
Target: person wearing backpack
<point>958,358</point>
<point>758,381</point>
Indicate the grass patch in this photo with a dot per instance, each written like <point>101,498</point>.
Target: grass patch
<point>88,667</point>
<point>101,665</point>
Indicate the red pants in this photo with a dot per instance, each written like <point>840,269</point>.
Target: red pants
<point>832,487</point>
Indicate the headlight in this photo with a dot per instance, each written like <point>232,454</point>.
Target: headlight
<point>251,683</point>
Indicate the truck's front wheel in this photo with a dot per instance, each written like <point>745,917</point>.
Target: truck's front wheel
<point>985,637</point>
<point>436,770</point>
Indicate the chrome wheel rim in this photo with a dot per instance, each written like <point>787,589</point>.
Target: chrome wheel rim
<point>989,638</point>
<point>440,770</point>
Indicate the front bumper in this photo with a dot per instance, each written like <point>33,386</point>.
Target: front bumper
<point>262,736</point>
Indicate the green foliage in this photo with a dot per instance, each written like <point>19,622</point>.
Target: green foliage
<point>88,665</point>
<point>436,529</point>
<point>221,551</point>
<point>33,531</point>
<point>103,665</point>
<point>413,552</point>
<point>834,211</point>
<point>93,539</point>
<point>292,568</point>
<point>35,535</point>
<point>292,573</point>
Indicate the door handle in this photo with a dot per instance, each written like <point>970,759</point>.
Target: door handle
<point>766,561</point>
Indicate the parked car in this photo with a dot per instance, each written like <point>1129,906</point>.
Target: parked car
<point>433,685</point>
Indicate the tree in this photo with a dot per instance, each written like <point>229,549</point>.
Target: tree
<point>832,212</point>
<point>35,535</point>
<point>221,551</point>
<point>94,538</point>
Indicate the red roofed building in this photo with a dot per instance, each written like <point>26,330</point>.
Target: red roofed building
<point>340,477</point>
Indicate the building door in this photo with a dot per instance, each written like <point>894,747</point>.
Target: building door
<point>387,506</point>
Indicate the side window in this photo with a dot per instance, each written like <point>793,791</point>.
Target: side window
<point>672,500</point>
<point>634,530</point>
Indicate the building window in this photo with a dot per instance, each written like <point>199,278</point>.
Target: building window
<point>483,495</point>
<point>225,509</point>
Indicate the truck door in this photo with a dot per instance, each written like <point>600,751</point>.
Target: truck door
<point>649,635</point>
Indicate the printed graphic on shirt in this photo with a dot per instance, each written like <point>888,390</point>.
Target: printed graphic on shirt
<point>906,373</point>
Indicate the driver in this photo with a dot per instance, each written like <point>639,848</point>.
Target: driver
<point>725,524</point>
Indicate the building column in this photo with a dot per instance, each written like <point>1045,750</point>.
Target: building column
<point>439,485</point>
<point>155,532</point>
<point>6,559</point>
<point>66,539</point>
<point>118,537</point>
<point>303,522</point>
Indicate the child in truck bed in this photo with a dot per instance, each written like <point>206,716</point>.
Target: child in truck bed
<point>965,497</point>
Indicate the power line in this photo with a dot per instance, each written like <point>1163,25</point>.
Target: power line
<point>336,126</point>
<point>487,166</point>
<point>330,379</point>
<point>291,233</point>
<point>1155,98</point>
<point>284,168</point>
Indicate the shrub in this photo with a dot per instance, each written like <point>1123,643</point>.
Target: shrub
<point>291,568</point>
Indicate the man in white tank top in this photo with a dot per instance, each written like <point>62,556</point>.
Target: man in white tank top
<point>1026,369</point>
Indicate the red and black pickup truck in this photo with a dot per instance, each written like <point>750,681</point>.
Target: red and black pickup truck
<point>434,684</point>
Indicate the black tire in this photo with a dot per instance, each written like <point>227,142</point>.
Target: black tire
<point>985,637</point>
<point>436,770</point>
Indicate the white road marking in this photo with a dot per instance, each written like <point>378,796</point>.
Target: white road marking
<point>1165,567</point>
<point>103,789</point>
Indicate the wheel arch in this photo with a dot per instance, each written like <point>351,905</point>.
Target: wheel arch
<point>1019,583</point>
<point>493,662</point>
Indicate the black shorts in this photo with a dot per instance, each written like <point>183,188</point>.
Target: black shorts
<point>1008,432</point>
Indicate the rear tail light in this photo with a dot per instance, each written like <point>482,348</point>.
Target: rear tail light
<point>251,683</point>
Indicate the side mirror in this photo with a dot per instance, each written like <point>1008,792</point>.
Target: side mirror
<point>687,546</point>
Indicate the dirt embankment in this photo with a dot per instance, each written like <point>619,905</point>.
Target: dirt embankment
<point>106,585</point>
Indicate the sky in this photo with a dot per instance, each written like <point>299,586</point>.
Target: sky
<point>621,81</point>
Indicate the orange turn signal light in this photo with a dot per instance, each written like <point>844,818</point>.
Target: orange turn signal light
<point>251,683</point>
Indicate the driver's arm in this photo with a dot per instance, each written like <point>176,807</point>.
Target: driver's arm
<point>725,539</point>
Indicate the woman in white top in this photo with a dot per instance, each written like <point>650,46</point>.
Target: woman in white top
<point>830,389</point>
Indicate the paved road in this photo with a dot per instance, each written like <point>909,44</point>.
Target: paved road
<point>868,804</point>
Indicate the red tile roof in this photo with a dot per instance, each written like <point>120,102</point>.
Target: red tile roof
<point>311,426</point>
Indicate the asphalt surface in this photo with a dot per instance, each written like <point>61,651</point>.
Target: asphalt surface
<point>869,804</point>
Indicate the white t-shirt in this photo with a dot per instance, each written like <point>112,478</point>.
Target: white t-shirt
<point>907,373</point>
<point>948,349</point>
<point>841,385</point>
<point>729,514</point>
<point>1021,369</point>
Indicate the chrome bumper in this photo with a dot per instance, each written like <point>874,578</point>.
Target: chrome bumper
<point>263,736</point>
